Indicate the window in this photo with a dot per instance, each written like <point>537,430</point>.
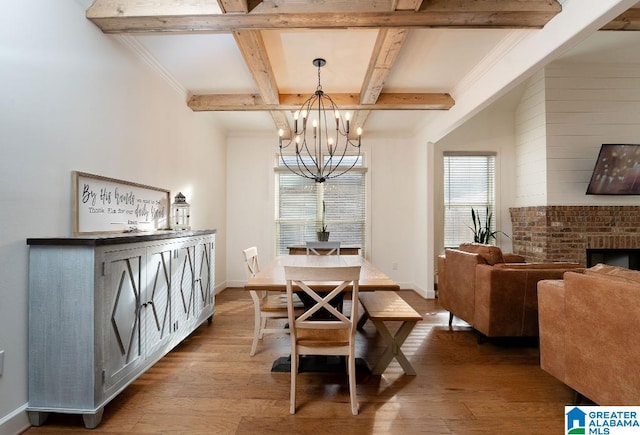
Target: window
<point>299,208</point>
<point>469,181</point>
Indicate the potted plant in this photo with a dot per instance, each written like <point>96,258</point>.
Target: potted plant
<point>482,232</point>
<point>323,234</point>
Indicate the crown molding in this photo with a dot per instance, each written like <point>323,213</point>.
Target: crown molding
<point>143,54</point>
<point>501,49</point>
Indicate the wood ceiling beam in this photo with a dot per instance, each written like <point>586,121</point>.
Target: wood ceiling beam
<point>233,6</point>
<point>386,101</point>
<point>385,52</point>
<point>129,16</point>
<point>237,6</point>
<point>255,55</point>
<point>346,6</point>
<point>407,5</point>
<point>629,20</point>
<point>384,55</point>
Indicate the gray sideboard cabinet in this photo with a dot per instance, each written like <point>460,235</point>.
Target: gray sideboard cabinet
<point>104,309</point>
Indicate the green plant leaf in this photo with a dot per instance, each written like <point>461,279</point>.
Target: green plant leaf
<point>482,232</point>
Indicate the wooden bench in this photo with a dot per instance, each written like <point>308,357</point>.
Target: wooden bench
<point>384,306</point>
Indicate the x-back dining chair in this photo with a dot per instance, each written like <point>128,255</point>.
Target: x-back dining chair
<point>333,335</point>
<point>266,305</point>
<point>330,247</point>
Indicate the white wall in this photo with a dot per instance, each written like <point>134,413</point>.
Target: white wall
<point>397,206</point>
<point>587,105</point>
<point>491,130</point>
<point>396,180</point>
<point>76,99</point>
<point>250,201</point>
<point>531,150</point>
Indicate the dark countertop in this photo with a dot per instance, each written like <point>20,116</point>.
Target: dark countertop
<point>117,238</point>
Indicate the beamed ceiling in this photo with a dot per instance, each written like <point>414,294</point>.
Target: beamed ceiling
<point>403,58</point>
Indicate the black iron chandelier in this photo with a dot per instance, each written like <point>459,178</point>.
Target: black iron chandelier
<point>320,151</point>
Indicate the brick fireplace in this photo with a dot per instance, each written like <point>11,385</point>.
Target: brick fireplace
<point>565,233</point>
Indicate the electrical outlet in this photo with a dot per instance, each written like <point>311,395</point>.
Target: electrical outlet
<point>1,361</point>
<point>394,266</point>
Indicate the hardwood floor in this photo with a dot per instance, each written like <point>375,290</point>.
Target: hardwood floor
<point>210,385</point>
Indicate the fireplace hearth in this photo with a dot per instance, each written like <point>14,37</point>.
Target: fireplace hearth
<point>629,258</point>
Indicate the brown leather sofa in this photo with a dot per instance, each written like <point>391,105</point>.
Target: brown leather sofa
<point>494,292</point>
<point>589,329</point>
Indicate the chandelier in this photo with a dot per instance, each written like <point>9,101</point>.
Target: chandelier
<point>321,149</point>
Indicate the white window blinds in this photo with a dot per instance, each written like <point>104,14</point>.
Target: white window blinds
<point>469,181</point>
<point>299,209</point>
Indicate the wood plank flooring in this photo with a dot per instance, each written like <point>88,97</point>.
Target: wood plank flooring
<point>210,385</point>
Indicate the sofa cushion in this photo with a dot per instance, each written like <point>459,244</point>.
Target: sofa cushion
<point>614,271</point>
<point>491,254</point>
<point>513,258</point>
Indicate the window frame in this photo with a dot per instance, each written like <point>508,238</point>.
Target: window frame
<point>451,238</point>
<point>360,168</point>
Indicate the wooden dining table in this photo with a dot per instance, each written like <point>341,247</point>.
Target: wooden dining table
<point>271,278</point>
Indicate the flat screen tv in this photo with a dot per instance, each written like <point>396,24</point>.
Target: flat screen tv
<point>617,171</point>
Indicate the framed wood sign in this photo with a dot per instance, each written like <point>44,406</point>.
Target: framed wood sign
<point>109,205</point>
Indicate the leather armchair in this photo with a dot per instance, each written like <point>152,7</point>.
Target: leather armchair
<point>498,298</point>
<point>588,333</point>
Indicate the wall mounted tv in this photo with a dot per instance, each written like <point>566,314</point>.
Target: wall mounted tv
<point>617,171</point>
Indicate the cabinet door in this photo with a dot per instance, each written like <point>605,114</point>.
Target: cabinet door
<point>156,303</point>
<point>204,276</point>
<point>122,345</point>
<point>183,289</point>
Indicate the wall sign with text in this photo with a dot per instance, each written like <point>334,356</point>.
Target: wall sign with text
<point>104,204</point>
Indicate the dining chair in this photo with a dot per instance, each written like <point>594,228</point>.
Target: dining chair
<point>330,247</point>
<point>266,305</point>
<point>330,335</point>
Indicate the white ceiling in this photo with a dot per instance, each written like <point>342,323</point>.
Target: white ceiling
<point>431,60</point>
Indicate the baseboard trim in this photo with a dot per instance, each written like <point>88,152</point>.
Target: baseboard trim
<point>15,422</point>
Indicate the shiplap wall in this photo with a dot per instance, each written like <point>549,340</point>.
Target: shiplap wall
<point>531,137</point>
<point>587,105</point>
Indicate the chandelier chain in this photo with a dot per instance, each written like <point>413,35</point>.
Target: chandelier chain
<point>319,88</point>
